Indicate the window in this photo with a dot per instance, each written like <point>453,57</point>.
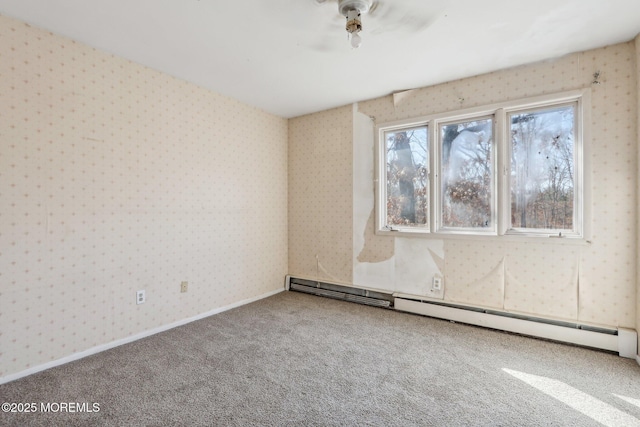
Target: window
<point>467,174</point>
<point>508,169</point>
<point>543,168</point>
<point>407,162</point>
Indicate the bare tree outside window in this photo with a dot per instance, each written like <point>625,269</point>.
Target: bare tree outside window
<point>407,177</point>
<point>542,168</point>
<point>467,172</point>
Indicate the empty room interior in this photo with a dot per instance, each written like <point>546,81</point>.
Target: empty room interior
<point>309,212</point>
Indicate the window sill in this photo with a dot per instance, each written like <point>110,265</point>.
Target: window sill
<point>489,236</point>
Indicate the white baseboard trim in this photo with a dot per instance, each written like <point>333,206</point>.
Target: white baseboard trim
<point>132,338</point>
<point>638,358</point>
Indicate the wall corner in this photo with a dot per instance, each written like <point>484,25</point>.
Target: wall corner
<point>637,75</point>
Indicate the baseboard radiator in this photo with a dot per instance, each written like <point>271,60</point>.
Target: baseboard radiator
<point>346,293</point>
<point>621,341</point>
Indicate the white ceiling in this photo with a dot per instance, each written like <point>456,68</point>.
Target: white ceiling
<point>292,57</point>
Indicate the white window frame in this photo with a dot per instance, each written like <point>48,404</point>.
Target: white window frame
<point>381,156</point>
<point>501,186</point>
<point>441,229</point>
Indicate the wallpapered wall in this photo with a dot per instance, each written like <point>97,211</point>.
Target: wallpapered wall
<point>591,283</point>
<point>114,178</point>
<point>320,193</point>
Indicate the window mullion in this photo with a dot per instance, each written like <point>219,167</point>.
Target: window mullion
<point>380,180</point>
<point>502,172</point>
<point>434,177</point>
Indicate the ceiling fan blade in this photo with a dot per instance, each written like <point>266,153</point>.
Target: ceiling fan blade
<point>373,8</point>
<point>391,19</point>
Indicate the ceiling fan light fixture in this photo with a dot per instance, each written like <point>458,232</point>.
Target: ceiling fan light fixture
<point>354,24</point>
<point>363,6</point>
<point>356,40</point>
<point>352,10</point>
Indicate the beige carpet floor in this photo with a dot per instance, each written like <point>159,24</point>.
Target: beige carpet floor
<point>296,359</point>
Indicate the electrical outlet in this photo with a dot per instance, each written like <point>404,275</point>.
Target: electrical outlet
<point>141,297</point>
<point>436,288</point>
<point>184,286</point>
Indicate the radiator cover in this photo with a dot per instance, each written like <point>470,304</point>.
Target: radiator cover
<point>346,293</point>
<point>622,341</point>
